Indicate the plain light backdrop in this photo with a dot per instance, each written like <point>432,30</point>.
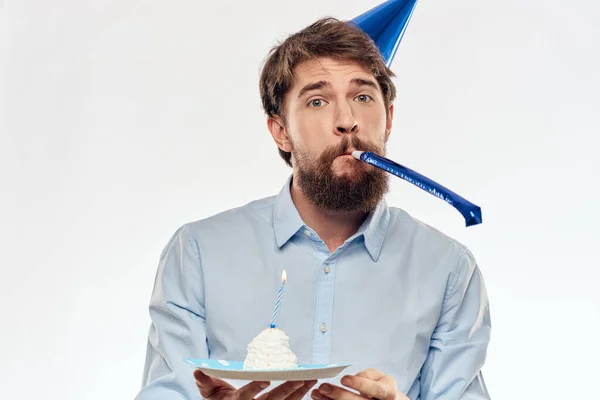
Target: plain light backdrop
<point>122,120</point>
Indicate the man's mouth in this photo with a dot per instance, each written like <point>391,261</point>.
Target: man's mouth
<point>349,152</point>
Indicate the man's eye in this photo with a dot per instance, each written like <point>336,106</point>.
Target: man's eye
<point>316,103</point>
<point>364,98</point>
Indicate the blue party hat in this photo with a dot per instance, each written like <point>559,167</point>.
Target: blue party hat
<point>385,24</point>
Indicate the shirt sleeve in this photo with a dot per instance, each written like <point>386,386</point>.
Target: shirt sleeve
<point>458,346</point>
<point>178,324</point>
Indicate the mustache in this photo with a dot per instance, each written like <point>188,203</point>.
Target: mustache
<point>348,143</point>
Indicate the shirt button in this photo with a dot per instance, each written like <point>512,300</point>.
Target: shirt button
<point>327,269</point>
<point>323,327</point>
<point>307,233</point>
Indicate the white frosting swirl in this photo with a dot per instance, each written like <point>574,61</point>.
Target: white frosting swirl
<point>270,350</point>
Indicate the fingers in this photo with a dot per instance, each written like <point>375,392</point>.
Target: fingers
<point>327,392</point>
<point>293,390</point>
<point>372,383</point>
<point>250,390</point>
<point>284,390</point>
<point>372,374</point>
<point>301,392</point>
<point>208,386</point>
<point>368,387</point>
<point>317,395</point>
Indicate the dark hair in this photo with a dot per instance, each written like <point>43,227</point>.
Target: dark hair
<point>327,37</point>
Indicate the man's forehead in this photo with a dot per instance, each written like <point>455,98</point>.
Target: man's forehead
<point>326,69</point>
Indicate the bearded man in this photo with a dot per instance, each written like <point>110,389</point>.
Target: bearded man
<point>368,284</point>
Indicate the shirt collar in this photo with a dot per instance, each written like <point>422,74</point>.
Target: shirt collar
<point>287,221</point>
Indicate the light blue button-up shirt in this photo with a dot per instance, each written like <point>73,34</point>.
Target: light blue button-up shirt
<point>398,296</point>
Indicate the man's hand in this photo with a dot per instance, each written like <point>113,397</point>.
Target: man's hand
<point>370,384</point>
<point>217,389</point>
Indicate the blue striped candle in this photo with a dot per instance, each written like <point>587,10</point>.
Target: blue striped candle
<point>278,301</point>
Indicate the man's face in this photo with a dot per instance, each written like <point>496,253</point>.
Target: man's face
<point>333,108</point>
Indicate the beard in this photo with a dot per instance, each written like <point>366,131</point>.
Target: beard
<point>359,190</point>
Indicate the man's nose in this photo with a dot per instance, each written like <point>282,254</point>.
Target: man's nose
<point>347,128</point>
<point>346,123</point>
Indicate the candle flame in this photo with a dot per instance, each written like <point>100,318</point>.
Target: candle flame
<point>283,276</point>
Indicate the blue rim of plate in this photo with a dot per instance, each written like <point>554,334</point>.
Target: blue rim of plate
<point>226,365</point>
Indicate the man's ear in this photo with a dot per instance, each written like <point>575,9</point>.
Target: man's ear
<point>279,133</point>
<point>388,123</point>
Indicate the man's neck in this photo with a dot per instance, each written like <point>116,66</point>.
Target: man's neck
<point>333,228</point>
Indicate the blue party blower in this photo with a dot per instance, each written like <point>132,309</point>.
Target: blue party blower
<point>468,210</point>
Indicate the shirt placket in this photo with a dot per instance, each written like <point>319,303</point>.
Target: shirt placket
<point>324,312</point>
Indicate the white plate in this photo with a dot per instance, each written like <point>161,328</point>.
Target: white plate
<point>235,370</point>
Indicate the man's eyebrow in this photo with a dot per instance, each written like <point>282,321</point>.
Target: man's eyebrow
<point>364,82</point>
<point>323,84</point>
<point>313,86</point>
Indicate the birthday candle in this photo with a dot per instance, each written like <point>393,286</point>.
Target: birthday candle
<point>470,212</point>
<point>278,301</point>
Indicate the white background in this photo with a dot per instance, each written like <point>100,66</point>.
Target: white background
<point>122,120</point>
